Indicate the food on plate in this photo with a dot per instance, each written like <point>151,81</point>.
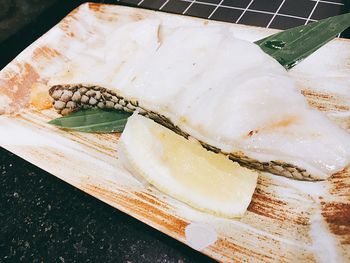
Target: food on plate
<point>205,83</point>
<point>39,97</point>
<point>185,170</point>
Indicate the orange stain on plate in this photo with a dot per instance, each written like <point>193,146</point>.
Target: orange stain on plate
<point>95,7</point>
<point>102,13</point>
<point>238,249</point>
<point>39,97</point>
<point>340,184</point>
<point>337,213</point>
<point>325,101</point>
<point>337,216</point>
<point>17,86</point>
<point>137,16</point>
<point>267,205</point>
<point>45,52</point>
<point>150,199</point>
<point>140,208</point>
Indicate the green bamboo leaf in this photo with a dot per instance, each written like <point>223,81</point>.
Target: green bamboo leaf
<point>291,46</point>
<point>93,120</point>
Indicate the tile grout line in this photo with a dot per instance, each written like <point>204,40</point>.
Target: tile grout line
<point>312,11</point>
<point>220,4</point>
<point>192,2</point>
<point>167,1</point>
<point>298,17</point>
<point>208,3</point>
<point>251,10</point>
<point>215,9</point>
<point>245,10</point>
<point>275,14</point>
<point>140,2</point>
<point>327,2</point>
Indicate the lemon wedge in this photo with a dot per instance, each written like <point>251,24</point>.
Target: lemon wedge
<point>185,170</point>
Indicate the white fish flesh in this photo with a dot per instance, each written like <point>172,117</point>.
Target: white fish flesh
<point>223,91</point>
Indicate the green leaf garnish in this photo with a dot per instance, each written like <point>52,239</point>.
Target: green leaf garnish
<point>291,46</point>
<point>93,120</point>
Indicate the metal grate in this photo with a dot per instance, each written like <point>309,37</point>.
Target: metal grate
<point>280,14</point>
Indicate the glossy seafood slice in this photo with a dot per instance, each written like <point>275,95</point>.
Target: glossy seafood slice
<point>204,83</point>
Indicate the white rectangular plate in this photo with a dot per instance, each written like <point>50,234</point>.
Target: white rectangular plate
<point>287,220</point>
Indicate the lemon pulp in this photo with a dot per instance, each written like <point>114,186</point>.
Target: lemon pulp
<point>185,170</point>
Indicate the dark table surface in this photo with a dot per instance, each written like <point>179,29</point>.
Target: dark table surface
<point>43,219</point>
